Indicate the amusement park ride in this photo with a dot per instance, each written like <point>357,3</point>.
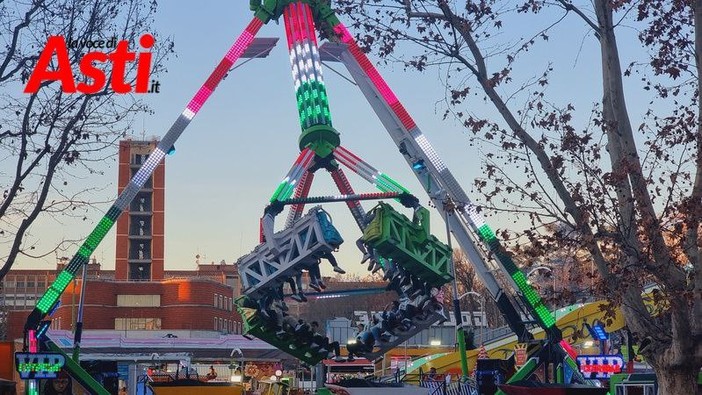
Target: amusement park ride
<point>414,262</point>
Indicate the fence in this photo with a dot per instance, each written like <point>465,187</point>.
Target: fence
<point>441,385</point>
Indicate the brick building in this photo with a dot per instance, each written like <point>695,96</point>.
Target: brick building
<point>140,228</point>
<point>139,294</point>
<point>200,299</point>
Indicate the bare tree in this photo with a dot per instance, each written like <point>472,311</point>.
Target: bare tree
<point>614,190</point>
<point>48,138</point>
<point>324,309</point>
<point>467,281</point>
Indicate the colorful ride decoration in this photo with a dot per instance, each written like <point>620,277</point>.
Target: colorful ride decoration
<point>282,256</point>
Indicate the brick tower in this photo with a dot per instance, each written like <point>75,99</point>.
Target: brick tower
<point>140,241</point>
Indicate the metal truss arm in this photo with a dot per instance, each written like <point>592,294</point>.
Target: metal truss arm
<point>292,182</point>
<point>435,177</point>
<point>302,191</point>
<point>51,296</point>
<point>287,186</point>
<point>344,186</point>
<point>368,172</point>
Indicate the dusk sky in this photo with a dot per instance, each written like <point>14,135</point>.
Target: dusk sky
<point>244,140</point>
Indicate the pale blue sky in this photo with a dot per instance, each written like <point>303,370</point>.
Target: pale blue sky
<point>243,141</point>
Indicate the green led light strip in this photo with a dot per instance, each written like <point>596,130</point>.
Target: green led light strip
<point>47,301</point>
<point>309,96</point>
<point>393,185</point>
<point>530,295</point>
<point>278,191</point>
<point>30,367</point>
<point>287,192</point>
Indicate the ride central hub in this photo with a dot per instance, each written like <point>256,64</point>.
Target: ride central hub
<point>322,139</point>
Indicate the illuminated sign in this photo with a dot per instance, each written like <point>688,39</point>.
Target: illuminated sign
<point>38,366</point>
<point>597,331</point>
<point>600,366</point>
<point>520,354</point>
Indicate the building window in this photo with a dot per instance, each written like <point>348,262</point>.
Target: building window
<point>215,324</point>
<point>137,324</point>
<point>140,250</point>
<point>215,301</point>
<point>140,225</point>
<point>141,203</point>
<point>139,271</point>
<point>139,300</point>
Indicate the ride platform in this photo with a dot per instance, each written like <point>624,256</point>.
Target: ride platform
<point>254,325</point>
<point>396,237</point>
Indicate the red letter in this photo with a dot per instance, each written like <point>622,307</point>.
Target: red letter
<point>144,64</point>
<point>119,58</point>
<point>90,71</point>
<point>63,70</point>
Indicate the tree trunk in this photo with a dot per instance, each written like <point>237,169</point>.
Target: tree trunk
<point>674,361</point>
<point>673,347</point>
<point>675,381</point>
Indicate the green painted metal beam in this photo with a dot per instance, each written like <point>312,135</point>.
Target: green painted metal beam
<point>78,373</point>
<point>523,372</point>
<point>322,139</point>
<point>267,10</point>
<point>254,326</point>
<point>396,237</point>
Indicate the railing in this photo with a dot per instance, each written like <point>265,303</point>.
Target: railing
<point>439,385</point>
<point>443,387</point>
<point>497,334</point>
